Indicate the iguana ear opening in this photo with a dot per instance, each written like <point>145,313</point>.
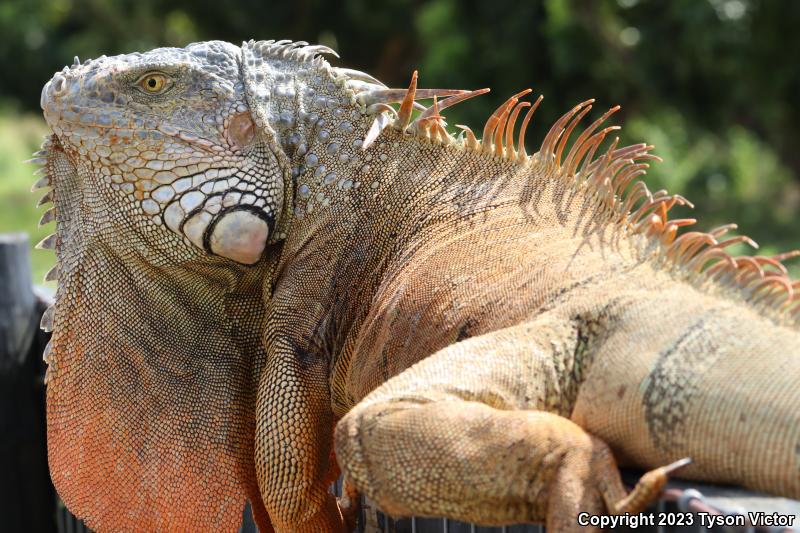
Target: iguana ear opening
<point>241,232</point>
<point>241,130</point>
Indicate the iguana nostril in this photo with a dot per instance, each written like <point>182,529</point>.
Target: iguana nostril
<point>57,85</point>
<point>51,93</point>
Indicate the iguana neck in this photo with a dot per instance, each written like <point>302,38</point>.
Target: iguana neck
<point>324,130</point>
<point>383,201</point>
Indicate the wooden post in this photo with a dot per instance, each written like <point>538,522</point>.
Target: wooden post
<point>17,301</point>
<point>27,497</point>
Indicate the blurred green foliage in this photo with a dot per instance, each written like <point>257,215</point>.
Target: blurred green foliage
<point>19,135</point>
<point>712,83</point>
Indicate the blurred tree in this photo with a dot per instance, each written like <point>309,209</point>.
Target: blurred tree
<point>711,82</point>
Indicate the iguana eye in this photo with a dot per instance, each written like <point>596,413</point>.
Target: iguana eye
<point>154,83</point>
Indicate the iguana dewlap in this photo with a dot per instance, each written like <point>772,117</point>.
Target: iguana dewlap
<point>255,248</point>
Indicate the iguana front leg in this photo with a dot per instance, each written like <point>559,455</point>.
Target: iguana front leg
<point>463,434</point>
<point>293,443</point>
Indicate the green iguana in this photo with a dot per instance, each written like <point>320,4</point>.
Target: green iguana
<point>268,265</point>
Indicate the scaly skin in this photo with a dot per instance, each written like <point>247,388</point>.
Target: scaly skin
<point>488,329</point>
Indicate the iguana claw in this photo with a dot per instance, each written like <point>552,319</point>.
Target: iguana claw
<point>649,487</point>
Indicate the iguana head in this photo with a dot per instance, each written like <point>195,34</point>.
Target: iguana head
<point>171,191</point>
<point>168,140</point>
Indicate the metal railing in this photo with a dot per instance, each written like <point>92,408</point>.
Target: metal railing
<point>676,502</point>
